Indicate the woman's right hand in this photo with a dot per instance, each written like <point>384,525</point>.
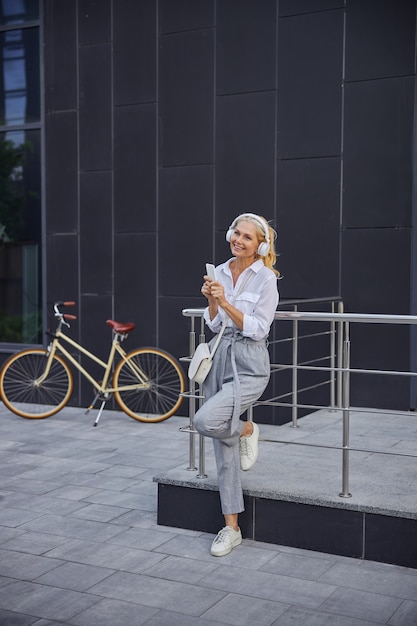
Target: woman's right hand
<point>206,288</point>
<point>212,301</point>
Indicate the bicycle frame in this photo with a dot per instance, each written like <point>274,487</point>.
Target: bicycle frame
<point>102,388</point>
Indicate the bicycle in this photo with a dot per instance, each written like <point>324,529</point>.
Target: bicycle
<point>148,383</point>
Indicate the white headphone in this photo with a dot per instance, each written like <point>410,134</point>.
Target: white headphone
<point>264,246</point>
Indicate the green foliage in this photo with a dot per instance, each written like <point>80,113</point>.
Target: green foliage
<point>12,196</point>
<point>12,327</point>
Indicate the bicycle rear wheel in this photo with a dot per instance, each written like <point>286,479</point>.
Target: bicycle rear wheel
<point>22,394</point>
<point>163,379</point>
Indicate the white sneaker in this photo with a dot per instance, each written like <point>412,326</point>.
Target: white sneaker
<point>249,449</point>
<point>225,540</point>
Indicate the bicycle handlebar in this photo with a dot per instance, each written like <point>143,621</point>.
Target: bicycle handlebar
<point>64,316</point>
<point>65,303</point>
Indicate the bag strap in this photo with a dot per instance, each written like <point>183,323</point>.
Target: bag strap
<point>219,336</point>
<point>226,319</point>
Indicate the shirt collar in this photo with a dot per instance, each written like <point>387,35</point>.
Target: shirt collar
<point>255,267</point>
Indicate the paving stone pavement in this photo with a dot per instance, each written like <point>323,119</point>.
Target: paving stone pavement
<point>79,542</point>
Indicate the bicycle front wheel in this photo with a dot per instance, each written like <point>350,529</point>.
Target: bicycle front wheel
<point>21,389</point>
<point>156,381</point>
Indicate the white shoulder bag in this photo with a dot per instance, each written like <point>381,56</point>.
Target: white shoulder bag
<point>202,360</point>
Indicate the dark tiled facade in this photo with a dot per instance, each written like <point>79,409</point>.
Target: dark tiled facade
<point>165,119</point>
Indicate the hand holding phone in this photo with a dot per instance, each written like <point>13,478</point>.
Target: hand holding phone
<point>211,271</point>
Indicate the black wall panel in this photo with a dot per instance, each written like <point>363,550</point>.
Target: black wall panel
<point>135,168</point>
<point>95,107</point>
<point>96,224</point>
<point>60,53</point>
<point>185,15</point>
<point>297,7</point>
<point>245,48</point>
<point>186,76</point>
<point>309,93</point>
<point>376,270</point>
<point>380,38</point>
<point>383,348</point>
<point>185,228</point>
<point>94,310</point>
<point>245,163</point>
<point>136,285</point>
<point>334,531</point>
<point>61,191</point>
<point>308,227</point>
<point>401,550</point>
<point>377,161</point>
<point>134,51</point>
<point>174,327</point>
<point>94,21</point>
<point>375,279</point>
<point>61,269</point>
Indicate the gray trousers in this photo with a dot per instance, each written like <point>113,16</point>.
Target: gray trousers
<point>239,375</point>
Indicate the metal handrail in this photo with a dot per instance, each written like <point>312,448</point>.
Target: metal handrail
<point>195,396</point>
<point>372,318</point>
<point>334,379</point>
<point>339,370</point>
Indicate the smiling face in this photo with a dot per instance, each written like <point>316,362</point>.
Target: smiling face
<point>244,240</point>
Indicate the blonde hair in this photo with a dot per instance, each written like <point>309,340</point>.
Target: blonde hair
<point>271,258</point>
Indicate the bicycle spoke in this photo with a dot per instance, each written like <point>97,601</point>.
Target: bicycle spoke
<point>164,382</point>
<point>22,391</point>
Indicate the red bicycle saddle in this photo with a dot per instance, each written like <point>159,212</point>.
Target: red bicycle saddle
<point>120,328</point>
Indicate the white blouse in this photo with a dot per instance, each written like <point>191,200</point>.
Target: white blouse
<point>257,301</point>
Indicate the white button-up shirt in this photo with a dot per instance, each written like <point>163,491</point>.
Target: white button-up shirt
<point>257,301</point>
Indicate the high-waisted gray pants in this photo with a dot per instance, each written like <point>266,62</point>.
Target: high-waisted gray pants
<point>227,396</point>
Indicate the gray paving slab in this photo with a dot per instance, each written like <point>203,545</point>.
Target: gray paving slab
<point>318,618</point>
<point>33,543</point>
<point>9,618</point>
<point>267,586</point>
<point>361,604</point>
<point>405,614</point>
<point>80,545</point>
<point>245,611</point>
<point>99,513</point>
<point>75,576</point>
<point>116,557</point>
<point>44,601</point>
<point>159,593</point>
<point>114,613</point>
<point>25,566</point>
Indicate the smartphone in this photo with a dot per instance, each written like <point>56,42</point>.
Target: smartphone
<point>211,271</point>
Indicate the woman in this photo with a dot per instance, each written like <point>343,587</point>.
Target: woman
<point>246,292</point>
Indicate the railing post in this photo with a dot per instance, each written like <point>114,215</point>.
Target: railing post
<point>191,454</point>
<point>202,439</point>
<point>332,362</point>
<point>202,446</point>
<point>339,358</point>
<point>346,414</point>
<point>250,413</point>
<point>294,410</point>
<point>193,395</point>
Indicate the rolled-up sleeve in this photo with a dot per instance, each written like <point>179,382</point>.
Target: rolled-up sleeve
<point>215,324</point>
<point>256,325</point>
